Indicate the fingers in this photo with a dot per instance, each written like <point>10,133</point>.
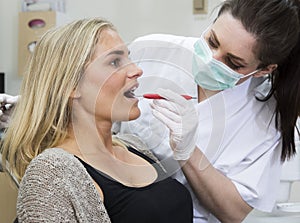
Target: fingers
<point>4,120</point>
<point>12,99</point>
<point>8,99</point>
<point>3,97</point>
<point>168,105</point>
<point>6,104</point>
<point>164,119</point>
<point>4,117</point>
<point>166,110</point>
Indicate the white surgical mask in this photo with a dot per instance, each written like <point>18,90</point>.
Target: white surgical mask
<point>210,73</point>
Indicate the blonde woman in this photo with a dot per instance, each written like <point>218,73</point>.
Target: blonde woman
<point>59,144</point>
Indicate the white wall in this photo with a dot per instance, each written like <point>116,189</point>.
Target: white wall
<point>131,17</point>
<point>9,44</point>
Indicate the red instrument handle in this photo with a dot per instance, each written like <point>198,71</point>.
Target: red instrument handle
<point>157,96</point>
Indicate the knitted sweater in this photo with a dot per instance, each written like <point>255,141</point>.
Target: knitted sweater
<point>57,188</point>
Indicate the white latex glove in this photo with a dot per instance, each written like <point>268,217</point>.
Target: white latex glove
<point>7,103</point>
<point>181,117</point>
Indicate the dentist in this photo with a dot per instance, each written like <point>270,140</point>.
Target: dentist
<point>230,143</point>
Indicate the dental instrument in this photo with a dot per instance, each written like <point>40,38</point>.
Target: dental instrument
<point>157,96</point>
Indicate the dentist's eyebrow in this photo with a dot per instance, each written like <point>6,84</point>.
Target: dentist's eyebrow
<point>238,58</point>
<point>215,37</point>
<point>229,54</point>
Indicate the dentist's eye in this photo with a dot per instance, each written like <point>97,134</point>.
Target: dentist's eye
<point>212,43</point>
<point>232,65</point>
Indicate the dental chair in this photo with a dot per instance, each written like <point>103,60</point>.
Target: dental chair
<point>285,210</point>
<point>8,195</point>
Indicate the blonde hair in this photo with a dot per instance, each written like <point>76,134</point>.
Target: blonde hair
<point>42,115</point>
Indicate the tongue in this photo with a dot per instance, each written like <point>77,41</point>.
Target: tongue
<point>129,94</point>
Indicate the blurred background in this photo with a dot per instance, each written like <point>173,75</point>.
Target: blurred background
<point>132,18</point>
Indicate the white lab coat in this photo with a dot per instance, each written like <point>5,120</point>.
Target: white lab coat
<point>236,131</point>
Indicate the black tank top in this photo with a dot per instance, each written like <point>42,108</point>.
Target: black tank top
<point>164,201</point>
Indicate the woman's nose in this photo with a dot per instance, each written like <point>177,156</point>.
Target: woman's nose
<point>134,71</point>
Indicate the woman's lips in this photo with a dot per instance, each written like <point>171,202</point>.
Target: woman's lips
<point>130,93</point>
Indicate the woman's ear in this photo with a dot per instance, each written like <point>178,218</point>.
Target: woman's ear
<point>266,70</point>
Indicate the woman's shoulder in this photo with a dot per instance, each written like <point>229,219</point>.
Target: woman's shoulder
<point>55,162</point>
<point>57,183</point>
<point>54,154</point>
<point>55,157</point>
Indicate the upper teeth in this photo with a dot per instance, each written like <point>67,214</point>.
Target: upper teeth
<point>133,89</point>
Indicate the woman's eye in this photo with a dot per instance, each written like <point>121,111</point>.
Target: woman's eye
<point>116,62</point>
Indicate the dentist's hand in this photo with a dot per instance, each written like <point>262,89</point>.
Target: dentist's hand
<point>7,103</point>
<point>181,117</point>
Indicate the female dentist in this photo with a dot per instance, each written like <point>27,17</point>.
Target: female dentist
<point>232,142</point>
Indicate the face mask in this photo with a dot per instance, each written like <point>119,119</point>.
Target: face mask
<point>210,73</point>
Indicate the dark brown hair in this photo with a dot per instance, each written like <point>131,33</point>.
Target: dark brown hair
<point>275,24</point>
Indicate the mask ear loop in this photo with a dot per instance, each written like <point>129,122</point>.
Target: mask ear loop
<point>251,73</point>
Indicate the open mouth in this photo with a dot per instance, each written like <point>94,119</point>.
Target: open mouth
<point>130,92</point>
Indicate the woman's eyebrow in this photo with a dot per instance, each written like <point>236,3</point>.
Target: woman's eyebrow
<point>118,52</point>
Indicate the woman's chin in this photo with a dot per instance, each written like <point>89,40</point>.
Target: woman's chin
<point>134,114</point>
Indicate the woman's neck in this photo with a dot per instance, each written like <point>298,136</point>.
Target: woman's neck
<point>86,138</point>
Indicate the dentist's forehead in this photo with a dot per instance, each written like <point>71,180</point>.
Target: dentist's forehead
<point>234,38</point>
